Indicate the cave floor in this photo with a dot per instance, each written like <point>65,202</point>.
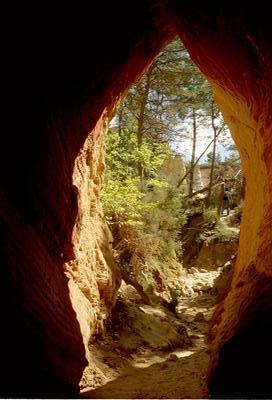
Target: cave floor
<point>149,351</point>
<point>126,368</point>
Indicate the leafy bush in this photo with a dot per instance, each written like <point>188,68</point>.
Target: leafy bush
<point>224,233</point>
<point>237,214</point>
<point>214,228</point>
<point>210,215</point>
<point>122,196</point>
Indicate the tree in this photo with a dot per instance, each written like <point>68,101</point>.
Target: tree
<point>146,209</point>
<point>151,104</point>
<point>218,126</point>
<point>172,99</point>
<point>122,199</point>
<point>171,94</point>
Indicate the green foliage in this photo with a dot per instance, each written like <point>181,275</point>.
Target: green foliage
<point>237,214</point>
<point>210,215</point>
<point>145,208</point>
<point>166,214</point>
<point>122,197</point>
<point>170,91</point>
<point>147,213</point>
<point>121,201</point>
<point>223,233</point>
<point>214,228</point>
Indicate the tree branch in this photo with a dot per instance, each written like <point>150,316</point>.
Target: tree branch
<point>196,162</point>
<point>205,189</point>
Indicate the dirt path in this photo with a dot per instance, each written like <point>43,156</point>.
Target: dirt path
<point>150,351</point>
<point>149,363</point>
<point>181,378</point>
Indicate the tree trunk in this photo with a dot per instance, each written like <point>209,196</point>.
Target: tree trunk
<point>140,130</point>
<point>192,166</point>
<point>133,282</point>
<point>197,160</point>
<point>220,199</point>
<point>208,200</point>
<point>120,120</point>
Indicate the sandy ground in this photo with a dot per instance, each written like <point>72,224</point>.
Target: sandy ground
<point>150,363</point>
<point>152,352</point>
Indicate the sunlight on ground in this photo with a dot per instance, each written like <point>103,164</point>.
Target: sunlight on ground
<point>151,359</point>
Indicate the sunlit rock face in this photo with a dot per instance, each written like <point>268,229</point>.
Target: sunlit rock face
<point>93,276</point>
<point>64,78</point>
<point>233,49</point>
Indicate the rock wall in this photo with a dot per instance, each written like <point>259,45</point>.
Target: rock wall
<point>215,254</point>
<point>63,79</point>
<point>94,276</point>
<point>233,49</point>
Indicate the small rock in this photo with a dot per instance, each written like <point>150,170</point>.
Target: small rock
<point>173,357</point>
<point>116,336</point>
<point>199,317</point>
<point>177,324</point>
<point>194,337</point>
<point>227,264</point>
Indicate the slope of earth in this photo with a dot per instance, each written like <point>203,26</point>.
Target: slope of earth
<point>160,350</point>
<point>151,352</point>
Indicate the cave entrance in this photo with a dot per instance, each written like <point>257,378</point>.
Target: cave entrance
<point>172,197</point>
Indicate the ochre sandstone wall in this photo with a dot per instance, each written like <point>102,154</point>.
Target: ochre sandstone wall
<point>65,71</point>
<point>94,277</point>
<point>233,49</point>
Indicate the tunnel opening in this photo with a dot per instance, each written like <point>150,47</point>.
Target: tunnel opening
<point>174,243</point>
